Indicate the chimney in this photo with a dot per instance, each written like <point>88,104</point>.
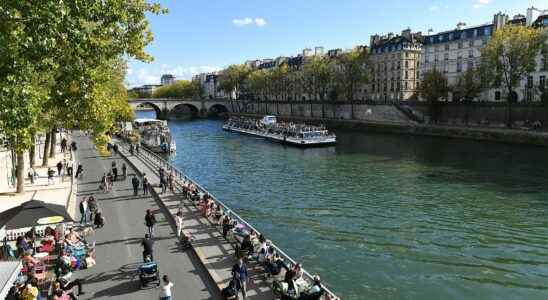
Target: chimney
<point>460,25</point>
<point>500,20</point>
<point>406,33</point>
<point>318,51</point>
<point>374,40</point>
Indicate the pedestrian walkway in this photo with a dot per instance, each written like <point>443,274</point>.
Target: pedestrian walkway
<point>56,193</point>
<point>215,252</point>
<point>118,249</point>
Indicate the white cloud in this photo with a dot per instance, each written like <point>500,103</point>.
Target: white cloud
<point>482,3</point>
<point>152,75</point>
<point>434,8</point>
<point>258,21</point>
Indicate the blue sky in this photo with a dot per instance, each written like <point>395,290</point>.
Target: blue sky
<point>206,35</point>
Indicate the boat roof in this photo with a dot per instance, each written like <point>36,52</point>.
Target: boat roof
<point>144,120</point>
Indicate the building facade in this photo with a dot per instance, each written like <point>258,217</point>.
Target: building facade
<point>167,79</point>
<point>210,85</point>
<point>454,51</point>
<point>395,61</point>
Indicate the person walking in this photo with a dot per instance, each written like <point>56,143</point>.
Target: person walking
<point>165,293</point>
<point>124,170</point>
<point>109,181</point>
<point>240,275</point>
<point>59,168</point>
<point>170,181</point>
<point>163,184</point>
<point>137,148</point>
<point>92,208</point>
<point>148,247</point>
<point>50,176</point>
<point>131,147</point>
<point>179,224</point>
<point>150,221</point>
<point>32,174</point>
<point>63,145</point>
<point>115,170</point>
<point>145,184</point>
<point>79,172</point>
<point>115,148</point>
<point>135,182</point>
<point>83,211</point>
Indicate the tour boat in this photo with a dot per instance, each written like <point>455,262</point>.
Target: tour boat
<point>301,135</point>
<point>155,135</point>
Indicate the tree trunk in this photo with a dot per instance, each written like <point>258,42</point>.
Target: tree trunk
<point>46,150</point>
<point>352,109</point>
<point>20,171</point>
<point>509,101</point>
<point>53,143</point>
<point>32,151</point>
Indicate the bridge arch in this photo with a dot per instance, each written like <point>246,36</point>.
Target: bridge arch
<point>184,111</point>
<point>157,109</point>
<point>218,110</point>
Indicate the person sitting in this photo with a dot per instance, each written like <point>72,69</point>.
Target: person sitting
<point>22,245</point>
<point>73,238</point>
<point>298,270</point>
<point>246,248</point>
<point>67,286</point>
<point>30,261</point>
<point>275,264</point>
<point>315,292</point>
<point>263,250</point>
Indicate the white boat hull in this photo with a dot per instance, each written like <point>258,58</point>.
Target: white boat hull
<point>323,141</point>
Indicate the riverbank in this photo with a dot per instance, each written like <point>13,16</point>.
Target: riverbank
<point>509,136</point>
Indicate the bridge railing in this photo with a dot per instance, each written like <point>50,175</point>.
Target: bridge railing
<point>160,161</point>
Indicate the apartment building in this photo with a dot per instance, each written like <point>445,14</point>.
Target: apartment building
<point>454,51</point>
<point>395,61</point>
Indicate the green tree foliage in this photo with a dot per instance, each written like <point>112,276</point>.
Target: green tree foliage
<point>510,56</point>
<point>433,88</point>
<point>57,61</point>
<point>231,79</point>
<point>469,86</point>
<point>179,89</point>
<point>318,74</point>
<point>352,72</point>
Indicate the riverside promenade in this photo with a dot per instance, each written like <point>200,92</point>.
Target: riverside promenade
<point>216,253</point>
<point>118,248</point>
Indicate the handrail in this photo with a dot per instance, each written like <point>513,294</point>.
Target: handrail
<point>229,211</point>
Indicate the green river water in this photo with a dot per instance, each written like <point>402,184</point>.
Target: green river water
<point>388,216</point>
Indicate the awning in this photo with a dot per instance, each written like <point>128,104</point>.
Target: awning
<point>33,213</point>
<point>8,273</point>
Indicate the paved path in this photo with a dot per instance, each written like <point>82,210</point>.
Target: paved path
<point>118,244</point>
<point>215,253</point>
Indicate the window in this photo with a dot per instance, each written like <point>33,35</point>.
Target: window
<point>459,45</point>
<point>406,54</point>
<point>459,66</point>
<point>529,82</point>
<point>471,43</point>
<point>497,95</point>
<point>406,75</point>
<point>470,65</point>
<point>487,31</point>
<point>405,85</point>
<point>446,56</point>
<point>426,59</point>
<point>446,47</point>
<point>407,64</point>
<point>436,58</point>
<point>470,53</point>
<point>399,65</point>
<point>398,87</point>
<point>542,82</point>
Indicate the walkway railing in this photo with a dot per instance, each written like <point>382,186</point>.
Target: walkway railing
<point>160,161</point>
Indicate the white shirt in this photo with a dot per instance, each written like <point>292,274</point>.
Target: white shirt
<point>166,290</point>
<point>179,221</point>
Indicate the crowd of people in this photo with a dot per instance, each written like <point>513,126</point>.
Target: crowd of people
<point>49,260</point>
<point>289,283</point>
<point>288,129</point>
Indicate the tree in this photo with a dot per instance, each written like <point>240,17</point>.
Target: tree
<point>179,89</point>
<point>317,78</point>
<point>510,56</point>
<point>468,87</point>
<point>50,59</point>
<point>433,88</point>
<point>352,74</point>
<point>231,81</point>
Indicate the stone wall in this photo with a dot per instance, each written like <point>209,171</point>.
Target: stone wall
<point>491,113</point>
<point>339,111</point>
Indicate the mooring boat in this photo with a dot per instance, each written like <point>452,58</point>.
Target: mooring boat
<point>302,135</point>
<point>155,135</point>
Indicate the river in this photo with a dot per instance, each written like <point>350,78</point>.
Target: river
<point>388,216</point>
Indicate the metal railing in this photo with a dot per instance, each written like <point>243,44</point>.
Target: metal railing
<point>147,154</point>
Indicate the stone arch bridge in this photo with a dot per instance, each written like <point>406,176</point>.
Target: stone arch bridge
<point>166,107</point>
